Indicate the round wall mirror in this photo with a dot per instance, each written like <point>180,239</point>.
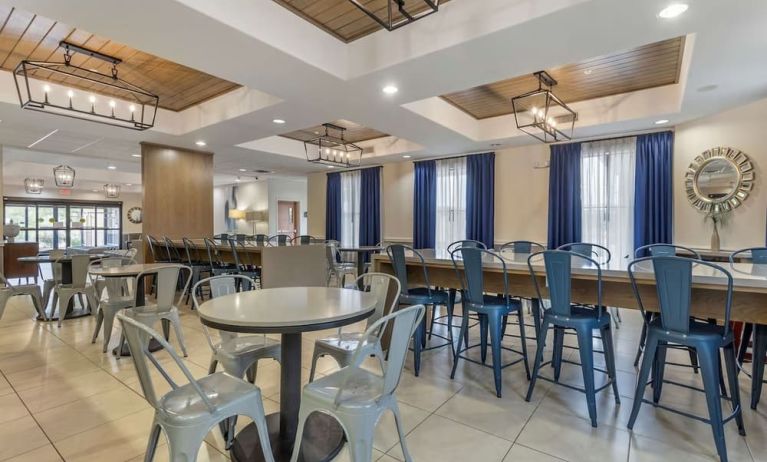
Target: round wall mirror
<point>719,180</point>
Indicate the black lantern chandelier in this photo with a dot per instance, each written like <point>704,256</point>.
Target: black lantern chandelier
<point>64,176</point>
<point>397,14</point>
<point>33,185</point>
<point>112,191</point>
<point>541,114</point>
<point>331,149</point>
<point>108,100</point>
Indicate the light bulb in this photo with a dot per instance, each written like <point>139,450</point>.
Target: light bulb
<point>92,99</point>
<point>71,94</point>
<point>112,103</point>
<point>534,110</point>
<point>47,88</point>
<point>132,108</point>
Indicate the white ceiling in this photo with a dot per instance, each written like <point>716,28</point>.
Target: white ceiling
<point>294,71</point>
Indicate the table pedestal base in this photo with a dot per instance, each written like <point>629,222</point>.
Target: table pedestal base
<point>323,440</point>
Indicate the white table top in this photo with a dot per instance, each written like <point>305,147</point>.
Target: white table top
<point>287,309</point>
<point>126,270</point>
<point>745,275</point>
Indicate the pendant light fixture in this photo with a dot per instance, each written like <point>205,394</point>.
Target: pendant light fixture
<point>332,149</point>
<point>108,99</point>
<point>33,185</point>
<point>64,176</point>
<point>397,13</point>
<point>112,191</point>
<point>541,114</point>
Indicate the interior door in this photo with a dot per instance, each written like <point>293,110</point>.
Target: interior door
<point>287,218</point>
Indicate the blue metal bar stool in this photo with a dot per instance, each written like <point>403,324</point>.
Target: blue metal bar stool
<point>192,260</point>
<point>664,250</point>
<point>758,258</point>
<point>469,243</point>
<point>673,281</point>
<point>564,314</point>
<point>492,309</point>
<point>302,240</point>
<point>519,251</point>
<point>421,294</point>
<point>278,240</point>
<point>259,239</point>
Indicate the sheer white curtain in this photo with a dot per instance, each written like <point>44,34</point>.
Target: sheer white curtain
<point>607,195</point>
<point>350,208</point>
<point>451,201</point>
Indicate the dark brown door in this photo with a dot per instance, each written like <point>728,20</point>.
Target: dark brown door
<point>287,218</point>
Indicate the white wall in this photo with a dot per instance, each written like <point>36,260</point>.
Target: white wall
<point>251,196</point>
<point>128,200</point>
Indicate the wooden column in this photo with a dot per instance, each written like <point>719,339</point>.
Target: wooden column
<point>178,192</point>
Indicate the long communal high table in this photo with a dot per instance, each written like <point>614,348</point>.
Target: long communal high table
<point>224,250</point>
<point>708,293</point>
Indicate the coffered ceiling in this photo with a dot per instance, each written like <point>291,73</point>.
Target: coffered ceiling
<point>24,35</point>
<point>354,133</point>
<point>648,66</point>
<point>343,20</point>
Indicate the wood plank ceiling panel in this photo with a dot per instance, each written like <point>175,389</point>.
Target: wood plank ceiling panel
<point>343,20</point>
<point>644,67</point>
<point>24,35</point>
<point>354,133</point>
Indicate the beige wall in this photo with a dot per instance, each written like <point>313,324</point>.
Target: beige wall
<point>740,128</point>
<point>521,191</point>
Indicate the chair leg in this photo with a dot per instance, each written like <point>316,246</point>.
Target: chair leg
<point>559,342</point>
<point>732,376</point>
<point>495,325</point>
<point>694,360</point>
<point>709,371</point>
<point>745,339</point>
<point>176,322</point>
<point>586,349</point>
<point>109,319</point>
<point>212,366</point>
<point>151,447</point>
<point>433,318</point>
<point>99,321</point>
<point>259,419</point>
<point>659,370</point>
<point>63,304</point>
<point>648,362</point>
<point>417,345</point>
<point>538,359</point>
<point>360,436</point>
<point>450,309</point>
<point>483,337</point>
<point>642,339</point>
<point>250,373</point>
<point>461,336</point>
<point>523,339</point>
<point>315,356</point>
<point>609,348</point>
<point>303,414</point>
<point>757,361</point>
<point>184,443</point>
<point>400,431</point>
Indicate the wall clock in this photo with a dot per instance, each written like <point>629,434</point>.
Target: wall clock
<point>134,215</point>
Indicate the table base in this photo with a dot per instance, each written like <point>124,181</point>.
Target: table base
<point>71,314</point>
<point>323,440</point>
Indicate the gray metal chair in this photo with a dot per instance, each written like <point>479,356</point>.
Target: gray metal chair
<point>336,268</point>
<point>33,290</point>
<point>64,292</point>
<point>357,397</point>
<point>188,412</point>
<point>118,297</point>
<point>343,345</point>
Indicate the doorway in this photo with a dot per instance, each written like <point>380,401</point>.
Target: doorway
<point>287,218</point>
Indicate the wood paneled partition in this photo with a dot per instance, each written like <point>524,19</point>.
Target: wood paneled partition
<point>178,191</point>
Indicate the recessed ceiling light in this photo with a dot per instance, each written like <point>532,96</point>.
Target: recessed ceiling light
<point>111,167</point>
<point>661,121</point>
<point>330,166</point>
<point>278,121</point>
<point>588,71</point>
<point>390,89</point>
<point>135,155</point>
<point>95,190</point>
<point>243,169</point>
<point>673,10</point>
<point>237,180</point>
<point>406,157</point>
<point>128,184</point>
<point>200,143</point>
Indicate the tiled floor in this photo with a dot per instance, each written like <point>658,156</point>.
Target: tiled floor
<point>62,398</point>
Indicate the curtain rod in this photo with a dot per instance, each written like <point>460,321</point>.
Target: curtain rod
<point>344,170</point>
<point>628,134</point>
<point>456,156</point>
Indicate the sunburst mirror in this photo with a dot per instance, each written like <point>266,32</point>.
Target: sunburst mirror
<point>719,180</point>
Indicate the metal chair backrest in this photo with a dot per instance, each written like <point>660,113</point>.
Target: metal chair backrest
<point>279,239</point>
<point>166,278</point>
<point>471,274</point>
<point>80,270</point>
<point>594,251</point>
<point>302,240</point>
<point>405,322</point>
<point>673,283</point>
<point>522,247</point>
<point>155,249</point>
<point>396,254</point>
<point>757,255</point>
<point>138,335</point>
<point>558,266</point>
<point>212,250</point>
<point>465,243</point>
<point>260,239</point>
<point>191,251</point>
<point>666,250</point>
<point>170,248</point>
<point>378,284</point>
<point>225,284</point>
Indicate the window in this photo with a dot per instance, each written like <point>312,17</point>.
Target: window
<point>451,202</point>
<point>607,195</point>
<point>59,224</point>
<point>350,208</point>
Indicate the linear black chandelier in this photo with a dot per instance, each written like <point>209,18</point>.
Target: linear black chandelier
<point>397,14</point>
<point>55,88</point>
<point>332,149</point>
<point>541,114</point>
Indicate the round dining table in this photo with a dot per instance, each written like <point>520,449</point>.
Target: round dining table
<point>289,311</point>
